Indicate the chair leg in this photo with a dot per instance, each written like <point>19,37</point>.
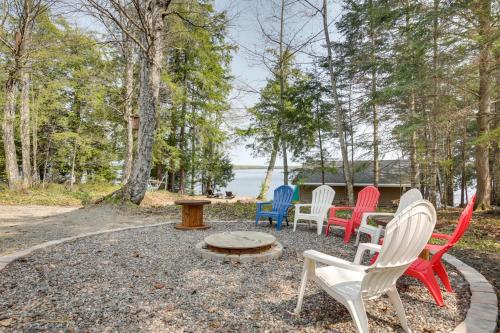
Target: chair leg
<point>278,223</point>
<point>400,310</point>
<point>270,221</point>
<point>358,313</point>
<point>319,222</point>
<point>429,280</point>
<point>327,231</point>
<point>357,237</point>
<point>443,276</point>
<point>257,219</point>
<point>348,231</point>
<point>302,288</point>
<point>295,223</point>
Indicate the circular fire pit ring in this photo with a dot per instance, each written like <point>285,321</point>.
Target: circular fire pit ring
<point>240,246</point>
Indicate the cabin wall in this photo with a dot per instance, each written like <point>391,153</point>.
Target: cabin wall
<point>387,194</point>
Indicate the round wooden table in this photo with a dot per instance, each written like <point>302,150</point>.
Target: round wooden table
<point>382,221</point>
<point>192,214</point>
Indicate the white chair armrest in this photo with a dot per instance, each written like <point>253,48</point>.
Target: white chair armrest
<point>332,261</point>
<point>364,219</point>
<point>298,206</point>
<point>365,247</point>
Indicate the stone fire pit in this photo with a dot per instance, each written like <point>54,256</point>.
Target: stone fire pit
<point>240,246</point>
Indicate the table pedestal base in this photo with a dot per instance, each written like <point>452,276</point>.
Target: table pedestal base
<point>180,226</point>
<point>192,217</point>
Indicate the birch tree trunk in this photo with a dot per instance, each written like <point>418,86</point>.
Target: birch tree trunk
<point>9,118</point>
<point>127,107</point>
<point>270,168</point>
<point>25,128</point>
<point>338,108</point>
<point>34,133</point>
<point>483,193</point>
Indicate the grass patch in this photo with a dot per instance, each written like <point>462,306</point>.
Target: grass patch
<point>56,195</point>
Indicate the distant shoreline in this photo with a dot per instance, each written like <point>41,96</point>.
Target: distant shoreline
<point>261,167</point>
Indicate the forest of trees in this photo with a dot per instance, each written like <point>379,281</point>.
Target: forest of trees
<point>71,96</point>
<point>419,80</point>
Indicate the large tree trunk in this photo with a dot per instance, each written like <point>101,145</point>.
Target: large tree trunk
<point>25,128</point>
<point>463,177</point>
<point>338,108</point>
<point>270,168</point>
<point>435,108</point>
<point>182,135</point>
<point>282,93</point>
<point>449,171</point>
<point>9,118</point>
<point>193,152</point>
<point>136,187</point>
<point>376,161</point>
<point>34,133</point>
<point>414,167</point>
<point>320,140</point>
<point>483,199</point>
<point>496,149</point>
<point>127,108</point>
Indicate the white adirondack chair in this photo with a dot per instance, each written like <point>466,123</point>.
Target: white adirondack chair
<point>322,199</point>
<point>352,283</point>
<point>407,199</point>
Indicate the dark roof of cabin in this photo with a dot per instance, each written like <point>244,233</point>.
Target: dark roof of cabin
<point>393,173</point>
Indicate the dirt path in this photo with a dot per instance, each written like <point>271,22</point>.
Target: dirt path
<point>25,226</point>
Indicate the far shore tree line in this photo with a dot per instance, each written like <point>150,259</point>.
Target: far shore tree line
<point>418,79</point>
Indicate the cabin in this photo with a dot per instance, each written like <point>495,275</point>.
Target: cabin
<point>394,180</point>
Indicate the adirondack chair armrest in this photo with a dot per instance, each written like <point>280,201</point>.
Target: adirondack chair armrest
<point>364,219</point>
<point>332,261</point>
<point>335,209</point>
<point>298,206</point>
<point>260,204</point>
<point>365,247</point>
<point>440,236</point>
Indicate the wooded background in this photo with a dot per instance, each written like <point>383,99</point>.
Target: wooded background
<point>419,80</point>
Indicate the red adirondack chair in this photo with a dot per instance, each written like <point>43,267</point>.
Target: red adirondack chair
<point>424,269</point>
<point>367,202</point>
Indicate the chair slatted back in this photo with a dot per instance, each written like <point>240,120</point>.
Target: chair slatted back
<point>463,224</point>
<point>405,238</point>
<point>367,202</point>
<point>408,198</point>
<point>322,199</point>
<point>282,198</point>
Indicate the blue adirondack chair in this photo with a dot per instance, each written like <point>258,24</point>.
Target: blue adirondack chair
<point>281,202</point>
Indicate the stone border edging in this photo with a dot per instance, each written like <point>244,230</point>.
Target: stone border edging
<point>481,316</point>
<point>7,259</point>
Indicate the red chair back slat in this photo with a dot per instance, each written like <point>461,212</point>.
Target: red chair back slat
<point>367,202</point>
<point>462,225</point>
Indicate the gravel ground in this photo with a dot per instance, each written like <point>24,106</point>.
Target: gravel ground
<point>151,280</point>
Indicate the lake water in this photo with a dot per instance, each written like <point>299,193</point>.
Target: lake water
<point>247,182</point>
